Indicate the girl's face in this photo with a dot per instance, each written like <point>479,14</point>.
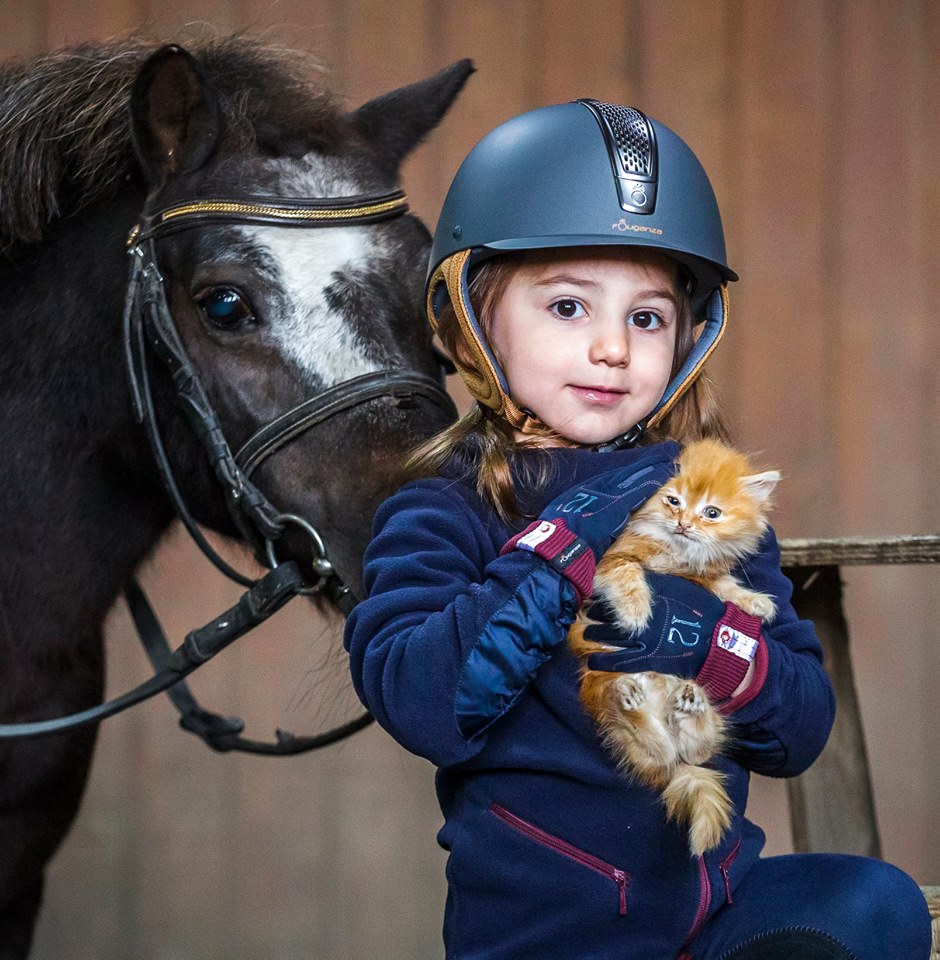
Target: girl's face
<point>587,341</point>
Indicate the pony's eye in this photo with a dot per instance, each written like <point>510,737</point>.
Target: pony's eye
<point>711,513</point>
<point>226,308</point>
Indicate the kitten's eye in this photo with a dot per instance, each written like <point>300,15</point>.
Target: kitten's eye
<point>711,513</point>
<point>673,501</point>
<point>568,309</point>
<point>226,308</point>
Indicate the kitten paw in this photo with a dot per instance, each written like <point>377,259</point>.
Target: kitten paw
<point>629,692</point>
<point>690,699</point>
<point>757,605</point>
<point>633,612</point>
<point>750,601</point>
<point>625,589</point>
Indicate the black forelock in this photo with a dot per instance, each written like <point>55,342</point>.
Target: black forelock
<point>65,127</point>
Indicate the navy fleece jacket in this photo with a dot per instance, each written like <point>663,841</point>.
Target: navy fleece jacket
<point>459,653</point>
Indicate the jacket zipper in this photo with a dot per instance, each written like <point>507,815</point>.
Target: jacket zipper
<point>725,868</point>
<point>704,902</point>
<point>566,849</point>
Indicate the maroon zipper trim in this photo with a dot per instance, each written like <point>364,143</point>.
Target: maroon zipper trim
<point>620,877</point>
<point>725,867</point>
<point>704,902</point>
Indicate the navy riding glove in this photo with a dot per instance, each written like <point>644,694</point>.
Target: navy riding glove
<point>691,634</point>
<point>575,529</point>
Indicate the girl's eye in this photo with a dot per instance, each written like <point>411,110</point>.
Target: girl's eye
<point>226,308</point>
<point>711,513</point>
<point>568,309</point>
<point>646,320</point>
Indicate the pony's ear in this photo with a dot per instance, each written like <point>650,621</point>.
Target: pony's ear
<point>175,115</point>
<point>396,122</point>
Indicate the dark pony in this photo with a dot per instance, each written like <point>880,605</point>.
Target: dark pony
<point>268,314</point>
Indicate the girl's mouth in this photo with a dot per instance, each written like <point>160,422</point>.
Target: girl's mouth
<point>602,395</point>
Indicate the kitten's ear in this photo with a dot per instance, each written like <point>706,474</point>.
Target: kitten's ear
<point>761,485</point>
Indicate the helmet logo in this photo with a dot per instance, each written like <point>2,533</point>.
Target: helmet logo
<point>623,227</point>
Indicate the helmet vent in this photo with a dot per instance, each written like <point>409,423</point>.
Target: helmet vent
<point>631,144</point>
<point>632,135</point>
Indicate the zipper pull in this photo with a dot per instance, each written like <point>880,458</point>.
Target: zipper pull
<point>725,868</point>
<point>621,880</point>
<point>724,872</point>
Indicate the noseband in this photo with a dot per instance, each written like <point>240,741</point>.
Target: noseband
<point>148,324</point>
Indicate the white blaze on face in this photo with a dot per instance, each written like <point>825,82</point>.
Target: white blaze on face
<point>310,332</point>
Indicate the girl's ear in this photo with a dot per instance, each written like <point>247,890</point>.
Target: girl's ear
<point>175,115</point>
<point>761,485</point>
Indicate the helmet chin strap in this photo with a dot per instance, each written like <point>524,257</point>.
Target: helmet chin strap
<point>625,440</point>
<point>487,384</point>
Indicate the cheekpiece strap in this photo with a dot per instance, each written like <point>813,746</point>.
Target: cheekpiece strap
<point>270,211</point>
<point>716,318</point>
<point>482,376</point>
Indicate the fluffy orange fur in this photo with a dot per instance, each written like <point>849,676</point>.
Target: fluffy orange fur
<point>660,728</point>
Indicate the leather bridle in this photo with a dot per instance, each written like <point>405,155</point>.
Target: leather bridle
<point>148,325</point>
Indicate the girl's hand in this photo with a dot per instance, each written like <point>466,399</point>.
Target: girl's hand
<point>691,634</point>
<point>575,529</point>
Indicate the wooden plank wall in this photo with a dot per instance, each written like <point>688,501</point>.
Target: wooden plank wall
<point>818,120</point>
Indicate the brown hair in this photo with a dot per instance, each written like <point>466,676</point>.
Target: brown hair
<point>490,439</point>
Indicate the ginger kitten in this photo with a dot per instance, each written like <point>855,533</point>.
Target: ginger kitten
<point>662,728</point>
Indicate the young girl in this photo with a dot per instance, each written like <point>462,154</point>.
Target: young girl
<point>579,252</point>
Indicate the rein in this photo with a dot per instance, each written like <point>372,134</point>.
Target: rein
<point>148,324</point>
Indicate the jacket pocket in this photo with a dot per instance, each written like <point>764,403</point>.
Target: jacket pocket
<point>617,876</point>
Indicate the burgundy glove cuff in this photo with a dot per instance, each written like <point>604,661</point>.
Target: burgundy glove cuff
<point>734,645</point>
<point>554,542</point>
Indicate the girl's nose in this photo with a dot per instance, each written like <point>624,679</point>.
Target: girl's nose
<point>611,345</point>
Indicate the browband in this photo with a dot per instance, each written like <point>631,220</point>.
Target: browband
<point>272,211</point>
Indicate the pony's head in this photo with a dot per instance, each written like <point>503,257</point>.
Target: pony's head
<point>272,313</point>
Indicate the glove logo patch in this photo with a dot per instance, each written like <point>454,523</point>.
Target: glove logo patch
<point>536,536</point>
<point>740,644</point>
<point>569,554</point>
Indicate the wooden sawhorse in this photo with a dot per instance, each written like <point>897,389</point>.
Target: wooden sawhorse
<point>831,805</point>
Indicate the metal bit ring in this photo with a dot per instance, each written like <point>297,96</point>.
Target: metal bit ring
<point>321,565</point>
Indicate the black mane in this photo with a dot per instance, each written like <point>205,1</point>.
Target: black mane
<point>65,126</point>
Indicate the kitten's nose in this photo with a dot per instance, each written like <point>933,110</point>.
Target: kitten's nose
<point>682,527</point>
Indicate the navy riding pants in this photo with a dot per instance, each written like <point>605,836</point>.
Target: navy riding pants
<point>819,906</point>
